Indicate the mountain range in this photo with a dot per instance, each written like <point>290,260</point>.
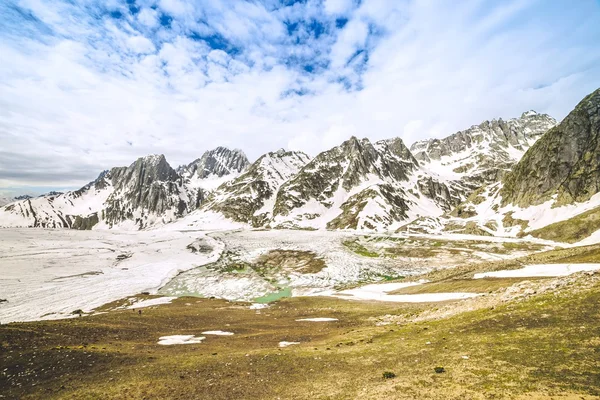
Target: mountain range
<point>480,180</point>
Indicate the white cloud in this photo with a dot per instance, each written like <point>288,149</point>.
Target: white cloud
<point>175,7</point>
<point>148,17</point>
<point>433,68</point>
<point>352,38</point>
<point>337,6</point>
<point>140,44</point>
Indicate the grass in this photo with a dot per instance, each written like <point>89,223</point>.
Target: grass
<point>571,230</point>
<point>356,247</point>
<point>276,261</point>
<point>546,345</point>
<point>428,248</point>
<point>540,347</point>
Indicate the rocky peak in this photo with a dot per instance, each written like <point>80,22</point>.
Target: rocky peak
<point>146,189</point>
<point>564,163</point>
<point>143,173</point>
<point>219,162</point>
<point>517,132</point>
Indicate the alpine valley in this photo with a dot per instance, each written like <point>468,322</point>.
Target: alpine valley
<point>462,267</point>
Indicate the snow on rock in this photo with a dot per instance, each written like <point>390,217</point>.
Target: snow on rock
<point>539,270</point>
<point>180,339</point>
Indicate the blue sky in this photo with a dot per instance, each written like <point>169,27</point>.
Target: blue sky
<point>86,85</point>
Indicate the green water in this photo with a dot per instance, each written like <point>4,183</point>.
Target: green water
<point>271,297</point>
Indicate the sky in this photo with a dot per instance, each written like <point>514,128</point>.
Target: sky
<point>86,85</point>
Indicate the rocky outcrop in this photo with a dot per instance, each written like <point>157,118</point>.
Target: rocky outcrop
<point>563,163</point>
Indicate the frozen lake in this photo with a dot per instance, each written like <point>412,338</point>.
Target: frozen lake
<point>47,274</point>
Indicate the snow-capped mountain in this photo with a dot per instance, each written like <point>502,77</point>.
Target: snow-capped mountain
<point>217,162</point>
<point>484,153</point>
<point>357,185</point>
<point>250,197</point>
<point>208,172</point>
<point>462,183</point>
<point>4,200</point>
<point>551,193</point>
<point>146,193</point>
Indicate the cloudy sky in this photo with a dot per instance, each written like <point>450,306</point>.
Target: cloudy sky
<point>90,84</point>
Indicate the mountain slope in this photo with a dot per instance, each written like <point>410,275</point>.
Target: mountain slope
<point>484,153</point>
<point>147,191</point>
<point>552,192</point>
<point>217,162</point>
<point>358,185</point>
<point>208,172</point>
<point>249,198</point>
<point>563,163</point>
<point>60,210</point>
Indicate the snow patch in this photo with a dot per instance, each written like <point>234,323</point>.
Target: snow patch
<point>319,319</point>
<point>151,302</point>
<point>218,333</point>
<point>180,339</point>
<point>379,292</point>
<point>540,270</point>
<point>286,344</point>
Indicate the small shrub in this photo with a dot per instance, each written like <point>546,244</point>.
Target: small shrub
<point>439,370</point>
<point>388,375</point>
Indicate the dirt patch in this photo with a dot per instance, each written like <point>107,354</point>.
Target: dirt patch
<point>304,262</point>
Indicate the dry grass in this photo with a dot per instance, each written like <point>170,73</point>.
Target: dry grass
<point>485,285</point>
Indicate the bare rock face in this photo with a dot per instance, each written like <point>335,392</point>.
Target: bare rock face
<point>147,188</point>
<point>564,162</point>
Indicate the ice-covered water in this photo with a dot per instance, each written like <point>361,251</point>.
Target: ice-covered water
<point>48,274</point>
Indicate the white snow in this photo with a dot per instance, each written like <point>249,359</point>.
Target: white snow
<point>540,270</point>
<point>218,333</point>
<point>258,306</point>
<point>180,339</point>
<point>379,292</point>
<point>47,274</point>
<point>151,302</point>
<point>318,319</point>
<point>544,214</point>
<point>286,344</point>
